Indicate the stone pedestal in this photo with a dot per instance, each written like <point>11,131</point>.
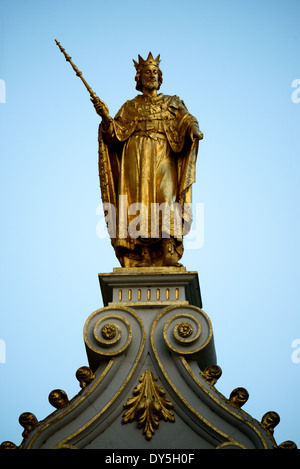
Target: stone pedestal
<point>152,372</point>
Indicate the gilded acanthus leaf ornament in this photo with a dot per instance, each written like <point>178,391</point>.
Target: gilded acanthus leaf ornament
<point>148,405</point>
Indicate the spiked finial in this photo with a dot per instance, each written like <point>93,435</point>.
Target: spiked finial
<point>149,61</point>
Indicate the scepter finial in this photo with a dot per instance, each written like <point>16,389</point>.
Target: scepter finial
<point>68,58</point>
<point>78,72</point>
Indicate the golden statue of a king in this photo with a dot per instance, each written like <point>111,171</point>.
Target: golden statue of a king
<point>147,165</point>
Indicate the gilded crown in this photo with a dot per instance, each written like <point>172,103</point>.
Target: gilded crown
<point>149,61</point>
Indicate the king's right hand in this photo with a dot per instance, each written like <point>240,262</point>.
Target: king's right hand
<point>101,109</point>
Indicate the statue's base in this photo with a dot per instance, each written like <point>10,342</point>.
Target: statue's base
<point>150,286</point>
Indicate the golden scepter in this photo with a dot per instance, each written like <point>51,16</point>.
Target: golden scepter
<point>78,72</point>
<point>94,98</point>
<point>105,172</point>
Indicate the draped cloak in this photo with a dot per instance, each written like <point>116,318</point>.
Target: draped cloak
<point>147,156</point>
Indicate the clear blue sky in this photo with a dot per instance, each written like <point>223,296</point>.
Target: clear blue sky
<point>233,63</point>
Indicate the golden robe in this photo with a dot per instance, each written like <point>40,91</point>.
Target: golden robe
<point>147,156</point>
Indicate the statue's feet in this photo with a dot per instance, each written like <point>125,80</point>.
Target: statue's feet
<point>128,260</point>
<point>142,260</point>
<point>170,255</point>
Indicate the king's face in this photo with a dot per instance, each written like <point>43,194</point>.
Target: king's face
<point>149,77</point>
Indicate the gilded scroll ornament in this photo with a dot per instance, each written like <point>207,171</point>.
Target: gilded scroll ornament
<point>270,420</point>
<point>148,405</point>
<point>8,445</point>
<point>239,397</point>
<point>211,374</point>
<point>29,422</point>
<point>183,332</point>
<point>58,398</point>
<point>288,445</point>
<point>107,334</point>
<point>85,376</point>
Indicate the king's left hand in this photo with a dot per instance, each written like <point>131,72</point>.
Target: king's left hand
<point>195,133</point>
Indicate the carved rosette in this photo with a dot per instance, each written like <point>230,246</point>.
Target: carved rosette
<point>109,331</point>
<point>185,331</point>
